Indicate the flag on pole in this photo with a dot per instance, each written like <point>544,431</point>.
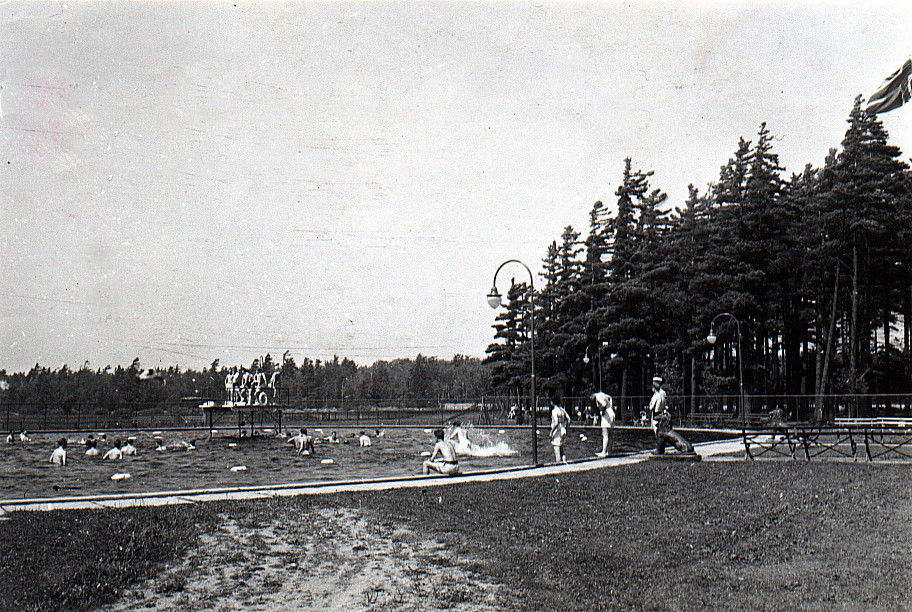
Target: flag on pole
<point>895,91</point>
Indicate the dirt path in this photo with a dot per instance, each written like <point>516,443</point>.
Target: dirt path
<point>329,559</point>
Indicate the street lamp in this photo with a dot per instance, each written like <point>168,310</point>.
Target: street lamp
<point>711,338</point>
<point>599,358</point>
<point>494,301</point>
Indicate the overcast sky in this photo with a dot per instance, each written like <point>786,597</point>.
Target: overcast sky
<point>184,182</point>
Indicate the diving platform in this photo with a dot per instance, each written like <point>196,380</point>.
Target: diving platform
<point>246,417</point>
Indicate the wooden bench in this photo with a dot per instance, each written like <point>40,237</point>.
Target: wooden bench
<point>792,439</point>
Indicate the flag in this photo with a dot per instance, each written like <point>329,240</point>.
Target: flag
<point>895,91</point>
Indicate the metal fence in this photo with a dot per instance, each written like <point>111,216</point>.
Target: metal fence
<point>700,410</point>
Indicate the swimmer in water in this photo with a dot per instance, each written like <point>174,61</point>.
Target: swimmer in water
<point>307,443</point>
<point>443,459</point>
<point>184,445</point>
<point>23,436</point>
<point>11,437</point>
<point>298,440</point>
<point>160,445</point>
<point>363,439</point>
<point>113,453</point>
<point>128,449</point>
<point>463,445</point>
<point>59,456</point>
<point>333,438</point>
<point>91,447</point>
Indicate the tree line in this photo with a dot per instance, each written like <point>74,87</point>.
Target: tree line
<point>312,383</point>
<point>814,272</point>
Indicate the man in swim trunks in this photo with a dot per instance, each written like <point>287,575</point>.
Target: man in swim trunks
<point>443,459</point>
<point>605,407</point>
<point>559,422</point>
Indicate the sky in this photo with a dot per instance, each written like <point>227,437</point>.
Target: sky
<point>190,181</point>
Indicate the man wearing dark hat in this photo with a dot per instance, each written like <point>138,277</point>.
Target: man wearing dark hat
<point>661,421</point>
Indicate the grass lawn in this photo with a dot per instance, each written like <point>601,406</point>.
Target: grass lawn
<point>765,535</point>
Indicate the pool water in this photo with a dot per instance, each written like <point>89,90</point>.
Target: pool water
<point>267,459</point>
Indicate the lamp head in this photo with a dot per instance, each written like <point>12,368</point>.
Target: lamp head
<point>586,359</point>
<point>711,338</point>
<point>494,297</point>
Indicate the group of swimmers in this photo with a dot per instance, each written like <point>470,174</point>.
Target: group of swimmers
<point>246,387</point>
<point>117,451</point>
<point>22,436</point>
<point>304,442</point>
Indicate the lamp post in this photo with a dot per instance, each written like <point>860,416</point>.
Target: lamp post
<point>494,301</point>
<point>711,338</point>
<point>598,356</point>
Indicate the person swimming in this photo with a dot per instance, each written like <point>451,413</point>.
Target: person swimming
<point>91,447</point>
<point>114,453</point>
<point>333,438</point>
<point>160,446</point>
<point>463,445</point>
<point>304,443</point>
<point>363,439</point>
<point>23,436</point>
<point>443,458</point>
<point>59,456</point>
<point>128,449</point>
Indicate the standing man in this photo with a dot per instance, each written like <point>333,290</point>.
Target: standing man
<point>560,420</point>
<point>660,419</point>
<point>604,405</point>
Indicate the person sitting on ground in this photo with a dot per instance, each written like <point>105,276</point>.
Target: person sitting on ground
<point>128,449</point>
<point>59,456</point>
<point>91,447</point>
<point>307,443</point>
<point>605,407</point>
<point>363,439</point>
<point>114,453</point>
<point>443,459</point>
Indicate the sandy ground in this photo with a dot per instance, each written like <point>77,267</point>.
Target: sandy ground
<point>328,559</point>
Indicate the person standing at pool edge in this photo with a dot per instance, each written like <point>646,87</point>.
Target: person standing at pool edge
<point>605,406</point>
<point>559,422</point>
<point>660,420</point>
<point>447,462</point>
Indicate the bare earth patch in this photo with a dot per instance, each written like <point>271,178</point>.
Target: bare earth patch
<point>327,559</point>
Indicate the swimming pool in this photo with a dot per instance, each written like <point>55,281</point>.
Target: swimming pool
<point>267,459</point>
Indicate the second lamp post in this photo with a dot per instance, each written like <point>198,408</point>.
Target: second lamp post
<point>494,301</point>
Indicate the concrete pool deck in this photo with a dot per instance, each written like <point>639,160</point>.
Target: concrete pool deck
<point>707,450</point>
